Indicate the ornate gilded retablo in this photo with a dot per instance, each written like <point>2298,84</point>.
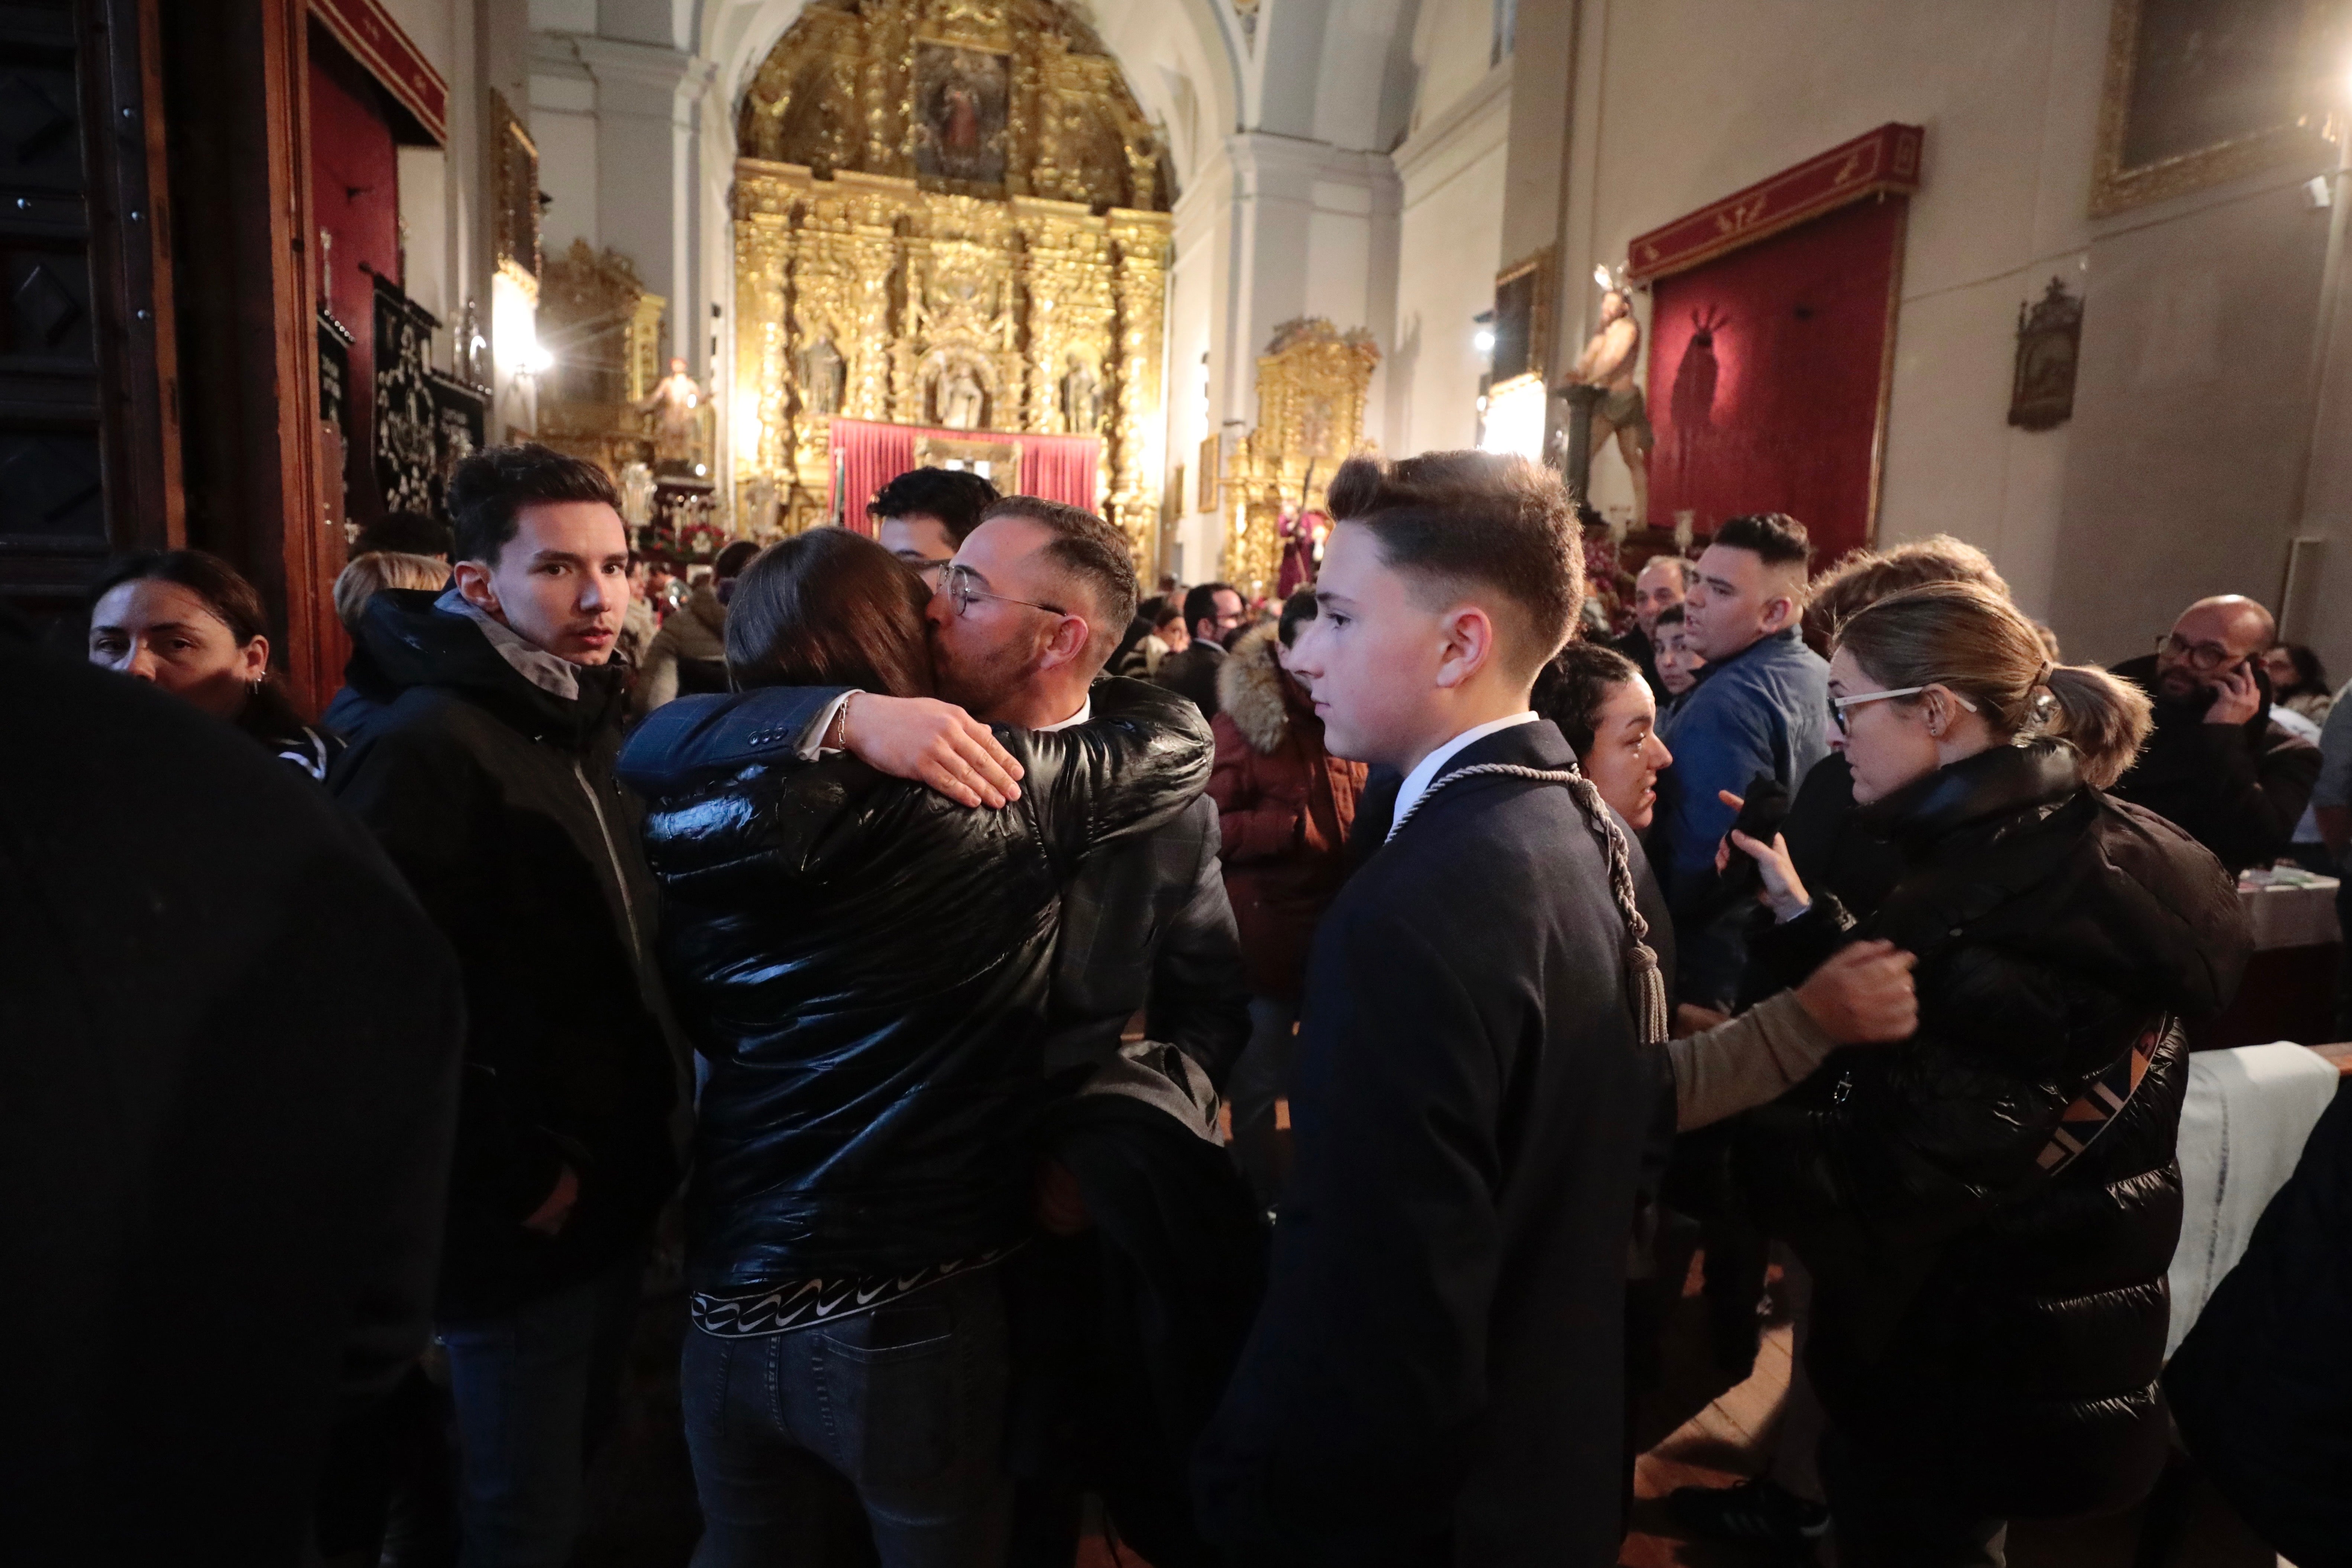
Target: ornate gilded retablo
<point>948,214</point>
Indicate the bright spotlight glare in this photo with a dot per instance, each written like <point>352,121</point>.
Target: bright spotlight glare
<point>1485,340</point>
<point>539,360</point>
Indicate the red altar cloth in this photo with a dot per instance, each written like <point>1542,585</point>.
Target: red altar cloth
<point>866,456</point>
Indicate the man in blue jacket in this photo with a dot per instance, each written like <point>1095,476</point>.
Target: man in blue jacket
<point>1761,707</point>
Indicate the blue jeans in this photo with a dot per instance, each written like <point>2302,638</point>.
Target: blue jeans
<point>906,1404</point>
<point>534,1391</point>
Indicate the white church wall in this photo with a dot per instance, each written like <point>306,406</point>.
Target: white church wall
<point>563,126</point>
<point>2093,522</point>
<point>1449,233</point>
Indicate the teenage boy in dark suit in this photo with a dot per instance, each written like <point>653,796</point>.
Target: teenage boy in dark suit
<point>1435,1377</point>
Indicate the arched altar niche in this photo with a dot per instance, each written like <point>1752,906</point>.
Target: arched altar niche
<point>945,209</point>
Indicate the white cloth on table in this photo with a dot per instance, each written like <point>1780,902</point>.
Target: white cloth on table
<point>2300,912</point>
<point>2242,1131</point>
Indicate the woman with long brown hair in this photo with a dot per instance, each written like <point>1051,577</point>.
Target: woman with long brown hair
<point>864,965</point>
<point>1989,1208</point>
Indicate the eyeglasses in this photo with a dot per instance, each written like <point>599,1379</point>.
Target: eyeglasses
<point>2198,656</point>
<point>959,585</point>
<point>1838,705</point>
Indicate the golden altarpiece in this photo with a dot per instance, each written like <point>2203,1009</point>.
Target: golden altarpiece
<point>1311,385</point>
<point>952,214</point>
<point>602,332</point>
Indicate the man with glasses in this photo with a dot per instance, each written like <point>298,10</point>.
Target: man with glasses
<point>1024,616</point>
<point>2217,766</point>
<point>1214,612</point>
<point>923,514</point>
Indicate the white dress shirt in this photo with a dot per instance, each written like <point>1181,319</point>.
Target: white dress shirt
<point>1416,783</point>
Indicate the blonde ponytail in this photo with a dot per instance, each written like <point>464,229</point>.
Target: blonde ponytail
<point>1973,641</point>
<point>2105,720</point>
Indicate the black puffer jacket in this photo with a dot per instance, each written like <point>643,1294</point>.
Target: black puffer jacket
<point>495,798</point>
<point>2004,1325</point>
<point>866,964</point>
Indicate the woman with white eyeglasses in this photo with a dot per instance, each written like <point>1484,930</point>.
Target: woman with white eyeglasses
<point>1989,1208</point>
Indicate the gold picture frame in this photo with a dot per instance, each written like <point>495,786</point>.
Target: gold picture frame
<point>514,192</point>
<point>2194,99</point>
<point>1213,461</point>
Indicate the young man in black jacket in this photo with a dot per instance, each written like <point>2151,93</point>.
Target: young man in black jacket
<point>1436,1375</point>
<point>489,782</point>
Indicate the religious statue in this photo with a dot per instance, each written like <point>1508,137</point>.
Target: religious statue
<point>960,396</point>
<point>676,409</point>
<point>1610,364</point>
<point>822,375</point>
<point>1081,399</point>
<point>1302,534</point>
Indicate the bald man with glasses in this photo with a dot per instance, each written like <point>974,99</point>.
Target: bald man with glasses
<point>2218,764</point>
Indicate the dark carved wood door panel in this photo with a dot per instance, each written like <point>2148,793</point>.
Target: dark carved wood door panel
<point>88,454</point>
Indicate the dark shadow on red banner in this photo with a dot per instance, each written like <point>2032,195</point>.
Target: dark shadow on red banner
<point>1768,370</point>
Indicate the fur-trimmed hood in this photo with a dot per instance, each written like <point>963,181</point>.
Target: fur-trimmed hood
<point>1251,691</point>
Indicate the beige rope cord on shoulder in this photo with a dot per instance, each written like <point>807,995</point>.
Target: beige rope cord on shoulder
<point>1644,984</point>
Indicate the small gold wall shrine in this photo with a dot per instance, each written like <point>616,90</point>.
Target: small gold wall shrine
<point>1311,383</point>
<point>947,213</point>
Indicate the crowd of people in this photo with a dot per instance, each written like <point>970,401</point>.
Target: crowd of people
<point>1231,1061</point>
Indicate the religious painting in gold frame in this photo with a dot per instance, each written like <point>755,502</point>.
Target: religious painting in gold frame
<point>961,99</point>
<point>1211,460</point>
<point>514,180</point>
<point>998,462</point>
<point>2199,92</point>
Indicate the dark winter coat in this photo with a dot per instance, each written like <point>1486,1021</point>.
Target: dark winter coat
<point>495,798</point>
<point>1437,1375</point>
<point>1193,674</point>
<point>1147,928</point>
<point>2237,789</point>
<point>2263,1386</point>
<point>865,966</point>
<point>1125,1335</point>
<point>2006,1326</point>
<point>349,714</point>
<point>228,1082</point>
<point>688,657</point>
<point>1285,807</point>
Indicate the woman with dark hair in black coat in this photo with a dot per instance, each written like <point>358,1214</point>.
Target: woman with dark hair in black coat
<point>1988,1209</point>
<point>865,965</point>
<point>188,622</point>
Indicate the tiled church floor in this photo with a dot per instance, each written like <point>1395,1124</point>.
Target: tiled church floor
<point>641,1510</point>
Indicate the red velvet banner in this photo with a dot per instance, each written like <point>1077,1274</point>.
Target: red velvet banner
<point>1767,377</point>
<point>866,456</point>
<point>376,41</point>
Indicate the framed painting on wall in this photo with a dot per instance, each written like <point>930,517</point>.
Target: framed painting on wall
<point>1523,319</point>
<point>961,99</point>
<point>2201,91</point>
